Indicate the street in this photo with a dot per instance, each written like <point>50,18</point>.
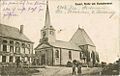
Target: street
<point>64,71</point>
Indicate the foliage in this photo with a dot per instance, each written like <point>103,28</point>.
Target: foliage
<point>111,69</point>
<point>13,70</point>
<point>69,64</point>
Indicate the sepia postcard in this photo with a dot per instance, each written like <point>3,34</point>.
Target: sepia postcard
<point>59,37</point>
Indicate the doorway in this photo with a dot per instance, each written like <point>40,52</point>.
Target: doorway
<point>43,59</point>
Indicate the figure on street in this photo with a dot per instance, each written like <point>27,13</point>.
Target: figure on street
<point>74,67</point>
<point>79,66</point>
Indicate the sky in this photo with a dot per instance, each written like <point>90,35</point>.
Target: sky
<point>103,28</point>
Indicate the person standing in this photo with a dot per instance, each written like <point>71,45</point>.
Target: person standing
<point>74,67</point>
<point>79,67</point>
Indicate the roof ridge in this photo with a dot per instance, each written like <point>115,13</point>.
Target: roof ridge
<point>12,32</point>
<point>8,26</point>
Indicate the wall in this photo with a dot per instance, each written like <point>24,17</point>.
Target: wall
<point>12,53</point>
<point>56,61</point>
<point>64,56</point>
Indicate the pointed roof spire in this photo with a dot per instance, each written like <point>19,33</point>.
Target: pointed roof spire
<point>47,16</point>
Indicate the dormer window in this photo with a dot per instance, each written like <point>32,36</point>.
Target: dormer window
<point>11,42</point>
<point>5,41</point>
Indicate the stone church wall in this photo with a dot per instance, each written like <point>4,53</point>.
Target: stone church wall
<point>56,60</point>
<point>65,56</point>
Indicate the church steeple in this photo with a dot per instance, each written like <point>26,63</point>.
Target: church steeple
<point>47,17</point>
<point>48,31</point>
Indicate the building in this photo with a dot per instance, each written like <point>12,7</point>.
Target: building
<point>14,44</point>
<point>51,51</point>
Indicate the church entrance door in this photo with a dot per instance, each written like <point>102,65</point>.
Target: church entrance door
<point>43,59</point>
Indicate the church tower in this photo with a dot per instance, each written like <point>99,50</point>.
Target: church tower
<point>48,31</point>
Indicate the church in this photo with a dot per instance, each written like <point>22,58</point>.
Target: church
<point>51,51</point>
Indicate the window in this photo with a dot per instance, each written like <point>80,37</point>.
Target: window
<point>11,49</point>
<point>11,46</point>
<point>17,43</point>
<point>23,48</point>
<point>11,59</point>
<point>29,45</point>
<point>5,45</point>
<point>3,58</point>
<point>57,53</point>
<point>29,50</point>
<point>5,48</point>
<point>51,32</point>
<point>28,59</point>
<point>17,48</point>
<point>11,42</point>
<point>4,41</point>
<point>70,55</point>
<point>92,55</point>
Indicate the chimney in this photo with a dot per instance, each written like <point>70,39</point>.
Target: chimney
<point>21,28</point>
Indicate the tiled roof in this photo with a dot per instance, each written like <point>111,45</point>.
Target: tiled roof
<point>81,38</point>
<point>61,44</point>
<point>64,44</point>
<point>12,32</point>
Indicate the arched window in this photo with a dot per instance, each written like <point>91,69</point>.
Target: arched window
<point>92,54</point>
<point>4,41</point>
<point>70,55</point>
<point>17,48</point>
<point>23,48</point>
<point>57,53</point>
<point>11,42</point>
<point>11,46</point>
<point>5,45</point>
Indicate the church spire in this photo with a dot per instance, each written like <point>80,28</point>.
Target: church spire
<point>48,31</point>
<point>47,16</point>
